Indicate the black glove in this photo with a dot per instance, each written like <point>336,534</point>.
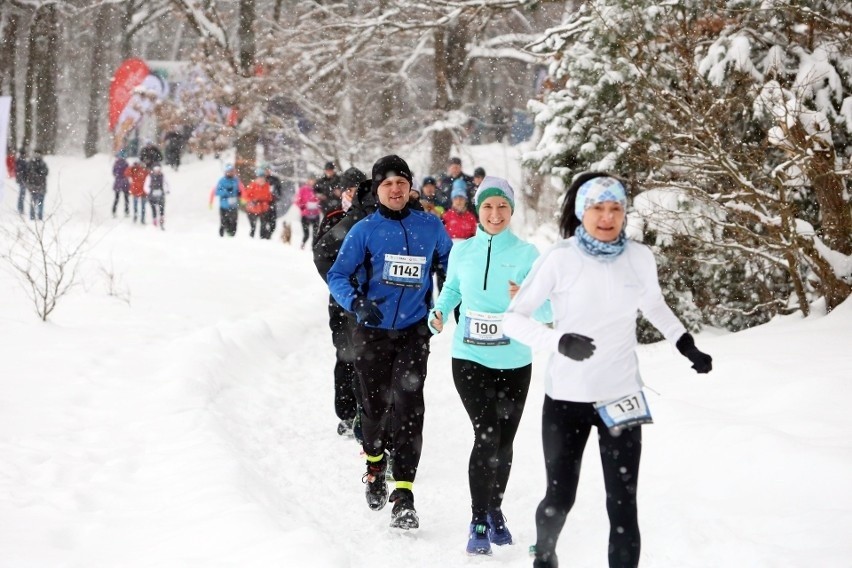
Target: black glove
<point>576,346</point>
<point>701,362</point>
<point>368,310</point>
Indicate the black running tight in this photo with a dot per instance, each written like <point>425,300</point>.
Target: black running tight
<point>565,428</point>
<point>494,400</point>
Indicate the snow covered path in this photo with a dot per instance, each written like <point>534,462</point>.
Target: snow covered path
<point>195,426</point>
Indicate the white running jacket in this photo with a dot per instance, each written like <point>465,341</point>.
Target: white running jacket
<point>599,299</point>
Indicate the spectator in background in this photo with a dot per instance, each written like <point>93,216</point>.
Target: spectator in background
<point>310,209</point>
<point>120,185</point>
<point>10,163</point>
<point>21,171</point>
<point>328,189</point>
<point>445,189</point>
<point>137,173</point>
<point>37,171</point>
<point>478,176</point>
<point>459,221</point>
<point>174,147</point>
<point>428,190</point>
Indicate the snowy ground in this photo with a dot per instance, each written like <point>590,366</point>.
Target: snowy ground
<point>187,420</point>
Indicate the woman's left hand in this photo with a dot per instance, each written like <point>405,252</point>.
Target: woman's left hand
<point>513,289</point>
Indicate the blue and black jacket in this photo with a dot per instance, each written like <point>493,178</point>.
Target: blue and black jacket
<point>389,257</point>
<point>228,192</point>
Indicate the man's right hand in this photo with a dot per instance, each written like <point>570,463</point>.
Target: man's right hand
<point>368,310</point>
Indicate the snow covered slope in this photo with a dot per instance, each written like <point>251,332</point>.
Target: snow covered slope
<point>187,420</point>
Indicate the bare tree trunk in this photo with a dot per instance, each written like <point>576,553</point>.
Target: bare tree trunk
<point>29,85</point>
<point>40,107</point>
<point>90,146</point>
<point>442,140</point>
<point>836,217</point>
<point>8,70</point>
<point>124,29</point>
<point>246,145</point>
<point>452,73</point>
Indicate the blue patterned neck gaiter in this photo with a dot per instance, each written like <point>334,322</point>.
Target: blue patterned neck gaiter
<point>594,247</point>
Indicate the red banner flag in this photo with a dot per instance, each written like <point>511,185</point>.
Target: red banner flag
<point>128,76</point>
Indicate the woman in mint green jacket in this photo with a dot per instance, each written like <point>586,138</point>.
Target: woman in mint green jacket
<point>491,372</point>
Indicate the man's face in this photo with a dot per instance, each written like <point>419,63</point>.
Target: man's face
<point>393,192</point>
<point>329,173</point>
<point>453,170</point>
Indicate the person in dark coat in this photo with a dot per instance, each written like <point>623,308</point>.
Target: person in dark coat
<point>150,155</point>
<point>174,146</point>
<point>21,171</point>
<point>445,188</point>
<point>330,237</point>
<point>37,171</point>
<point>120,185</point>
<point>270,218</point>
<point>328,188</point>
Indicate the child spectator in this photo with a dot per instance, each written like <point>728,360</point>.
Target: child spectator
<point>459,222</point>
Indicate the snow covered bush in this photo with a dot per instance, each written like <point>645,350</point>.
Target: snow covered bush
<point>743,114</point>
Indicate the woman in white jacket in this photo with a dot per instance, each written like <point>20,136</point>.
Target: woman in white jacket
<point>596,281</point>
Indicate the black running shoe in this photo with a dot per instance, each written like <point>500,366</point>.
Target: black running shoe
<point>344,428</point>
<point>543,559</point>
<point>403,515</point>
<point>377,488</point>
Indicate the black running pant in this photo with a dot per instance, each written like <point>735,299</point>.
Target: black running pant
<point>157,205</point>
<point>118,195</point>
<point>309,225</point>
<point>565,428</point>
<point>268,221</point>
<point>494,400</point>
<point>346,385</point>
<point>254,218</point>
<point>391,366</point>
<point>228,222</point>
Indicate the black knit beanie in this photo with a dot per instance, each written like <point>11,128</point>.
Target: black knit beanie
<point>389,166</point>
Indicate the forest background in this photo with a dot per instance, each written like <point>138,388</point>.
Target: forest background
<point>730,122</point>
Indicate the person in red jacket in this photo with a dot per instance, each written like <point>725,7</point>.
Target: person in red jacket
<point>10,162</point>
<point>258,197</point>
<point>137,173</point>
<point>459,221</point>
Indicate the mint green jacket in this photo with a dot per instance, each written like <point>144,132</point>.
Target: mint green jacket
<point>478,276</point>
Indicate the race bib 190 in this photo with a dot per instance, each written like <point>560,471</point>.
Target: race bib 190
<point>624,412</point>
<point>482,328</point>
<point>400,270</point>
<point>231,200</point>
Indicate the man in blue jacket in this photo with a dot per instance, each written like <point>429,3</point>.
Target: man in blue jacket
<point>383,274</point>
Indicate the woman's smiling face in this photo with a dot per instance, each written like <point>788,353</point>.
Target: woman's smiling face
<point>495,214</point>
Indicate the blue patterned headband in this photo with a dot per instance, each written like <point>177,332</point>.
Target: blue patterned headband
<point>598,190</point>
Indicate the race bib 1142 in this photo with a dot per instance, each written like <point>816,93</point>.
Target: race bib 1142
<point>406,271</point>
